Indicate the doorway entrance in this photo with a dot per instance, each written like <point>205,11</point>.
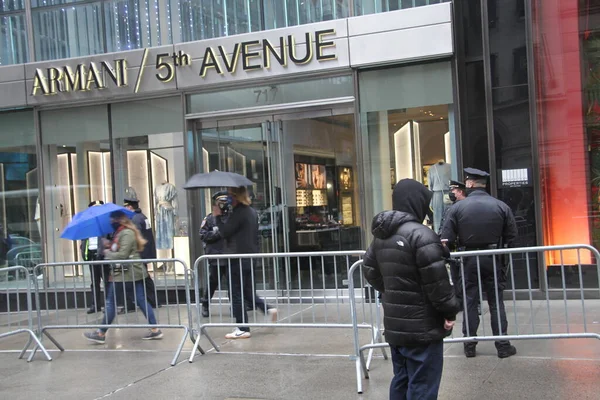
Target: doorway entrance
<point>305,188</point>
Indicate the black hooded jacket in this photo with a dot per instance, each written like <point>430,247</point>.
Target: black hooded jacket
<point>405,263</point>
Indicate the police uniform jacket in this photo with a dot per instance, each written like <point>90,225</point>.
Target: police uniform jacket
<point>479,221</point>
<point>143,224</point>
<point>209,234</point>
<point>92,252</point>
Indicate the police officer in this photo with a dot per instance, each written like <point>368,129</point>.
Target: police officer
<point>92,250</point>
<point>213,244</point>
<point>458,192</point>
<point>149,253</point>
<point>481,222</point>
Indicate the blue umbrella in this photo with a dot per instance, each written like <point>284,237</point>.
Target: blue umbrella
<point>93,222</point>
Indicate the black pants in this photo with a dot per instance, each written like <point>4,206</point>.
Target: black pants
<point>242,292</point>
<point>98,273</point>
<point>214,271</point>
<point>494,291</point>
<point>151,294</point>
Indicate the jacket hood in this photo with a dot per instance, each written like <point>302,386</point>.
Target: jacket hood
<point>411,197</point>
<point>386,223</point>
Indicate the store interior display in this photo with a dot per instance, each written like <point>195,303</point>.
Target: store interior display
<point>148,180</point>
<point>421,150</point>
<point>99,176</point>
<point>324,202</point>
<point>438,180</point>
<point>165,208</point>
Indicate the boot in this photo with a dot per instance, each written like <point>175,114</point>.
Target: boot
<point>470,349</point>
<point>205,310</point>
<point>507,351</point>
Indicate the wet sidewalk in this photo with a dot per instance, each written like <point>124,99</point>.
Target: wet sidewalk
<point>272,365</point>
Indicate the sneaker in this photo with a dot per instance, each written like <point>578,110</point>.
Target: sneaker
<point>95,337</point>
<point>470,349</point>
<point>507,352</point>
<point>272,312</point>
<point>153,335</point>
<point>238,334</point>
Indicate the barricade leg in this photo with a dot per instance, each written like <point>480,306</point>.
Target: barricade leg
<point>22,353</point>
<point>359,388</point>
<point>39,344</point>
<point>197,344</point>
<point>180,347</point>
<point>32,338</point>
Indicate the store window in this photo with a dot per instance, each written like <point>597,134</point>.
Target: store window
<point>408,132</point>
<point>13,33</point>
<point>566,37</point>
<point>77,170</point>
<point>20,229</point>
<point>97,27</point>
<point>280,14</point>
<point>149,165</point>
<point>363,7</point>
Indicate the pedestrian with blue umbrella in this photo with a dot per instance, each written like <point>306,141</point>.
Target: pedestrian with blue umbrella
<point>91,226</point>
<point>127,244</point>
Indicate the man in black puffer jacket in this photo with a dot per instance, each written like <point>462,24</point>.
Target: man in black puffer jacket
<point>405,262</point>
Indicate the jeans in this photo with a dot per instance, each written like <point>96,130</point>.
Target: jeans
<point>490,288</point>
<point>241,276</point>
<point>417,372</point>
<point>110,308</point>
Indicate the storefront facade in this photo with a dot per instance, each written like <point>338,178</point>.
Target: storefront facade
<point>306,113</point>
<point>324,118</point>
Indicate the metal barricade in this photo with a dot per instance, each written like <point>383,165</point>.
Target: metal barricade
<point>64,291</point>
<point>489,271</point>
<point>16,307</point>
<point>308,290</point>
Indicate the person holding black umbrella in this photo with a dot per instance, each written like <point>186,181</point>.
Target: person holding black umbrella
<point>213,244</point>
<point>240,231</point>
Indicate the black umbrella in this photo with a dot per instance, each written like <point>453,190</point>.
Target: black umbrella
<point>217,179</point>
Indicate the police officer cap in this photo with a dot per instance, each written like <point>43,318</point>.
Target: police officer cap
<point>222,193</point>
<point>130,199</point>
<point>96,203</point>
<point>457,185</point>
<point>474,173</point>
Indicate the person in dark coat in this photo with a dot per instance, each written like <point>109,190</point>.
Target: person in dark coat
<point>92,250</point>
<point>213,244</point>
<point>405,263</point>
<point>142,223</point>
<point>458,192</point>
<point>481,222</point>
<point>240,232</point>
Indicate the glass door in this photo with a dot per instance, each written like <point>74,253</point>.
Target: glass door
<point>246,146</point>
<point>305,192</point>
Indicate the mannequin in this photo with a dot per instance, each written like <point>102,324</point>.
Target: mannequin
<point>165,204</point>
<point>438,177</point>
